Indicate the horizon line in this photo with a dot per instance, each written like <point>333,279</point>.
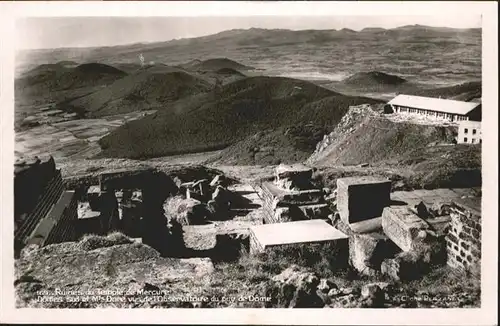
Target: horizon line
<point>241,29</point>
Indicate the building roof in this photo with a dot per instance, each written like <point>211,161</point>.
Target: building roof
<point>296,232</point>
<point>434,104</point>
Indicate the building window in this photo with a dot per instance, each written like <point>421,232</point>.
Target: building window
<point>466,131</point>
<point>473,140</point>
<point>480,141</point>
<point>473,131</point>
<point>465,139</point>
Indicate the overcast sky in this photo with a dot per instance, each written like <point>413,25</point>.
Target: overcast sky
<point>49,32</point>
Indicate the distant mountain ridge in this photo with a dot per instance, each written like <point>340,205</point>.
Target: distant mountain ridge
<point>240,38</point>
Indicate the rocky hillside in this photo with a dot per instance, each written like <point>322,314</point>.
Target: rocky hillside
<point>424,152</point>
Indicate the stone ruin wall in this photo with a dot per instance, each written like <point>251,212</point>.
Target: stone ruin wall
<point>66,230</point>
<point>60,223</point>
<point>37,187</point>
<point>268,208</point>
<point>463,241</point>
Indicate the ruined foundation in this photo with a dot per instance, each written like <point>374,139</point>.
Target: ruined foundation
<point>292,197</point>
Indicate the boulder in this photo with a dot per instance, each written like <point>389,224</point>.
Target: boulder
<point>367,251</point>
<point>295,287</point>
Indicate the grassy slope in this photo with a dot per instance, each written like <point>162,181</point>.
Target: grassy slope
<point>140,91</point>
<point>221,118</point>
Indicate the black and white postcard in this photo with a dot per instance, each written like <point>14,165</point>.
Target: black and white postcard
<point>252,156</point>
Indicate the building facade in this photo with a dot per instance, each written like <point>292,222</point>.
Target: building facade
<point>436,108</point>
<point>469,132</point>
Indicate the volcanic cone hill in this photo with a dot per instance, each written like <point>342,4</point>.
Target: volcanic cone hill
<point>227,115</point>
<point>140,91</point>
<point>63,81</point>
<point>216,64</point>
<point>54,77</point>
<point>374,78</point>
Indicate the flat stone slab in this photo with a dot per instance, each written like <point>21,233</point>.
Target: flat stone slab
<point>362,198</point>
<point>402,226</point>
<point>310,231</point>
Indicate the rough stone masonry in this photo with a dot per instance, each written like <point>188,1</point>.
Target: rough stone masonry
<point>463,242</point>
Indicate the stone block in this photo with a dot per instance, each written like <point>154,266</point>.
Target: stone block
<point>293,177</point>
<point>402,226</point>
<point>362,198</point>
<point>367,251</point>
